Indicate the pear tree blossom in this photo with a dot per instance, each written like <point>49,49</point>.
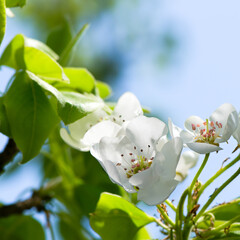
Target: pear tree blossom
<point>133,161</point>
<point>90,129</point>
<point>236,134</point>
<point>187,160</point>
<point>205,136</point>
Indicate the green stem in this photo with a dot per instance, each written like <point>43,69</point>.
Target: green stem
<point>165,216</point>
<point>219,172</point>
<point>214,195</point>
<point>219,228</point>
<point>161,224</point>
<point>179,214</point>
<point>169,203</point>
<point>194,181</point>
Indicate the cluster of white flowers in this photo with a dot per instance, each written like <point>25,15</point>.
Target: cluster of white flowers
<point>134,149</point>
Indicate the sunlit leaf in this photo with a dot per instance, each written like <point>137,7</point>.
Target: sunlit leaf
<point>34,56</point>
<point>116,218</point>
<point>71,105</point>
<point>227,211</point>
<point>2,19</point>
<point>15,3</point>
<point>30,114</point>
<point>77,106</point>
<point>21,228</point>
<point>103,89</point>
<point>142,234</point>
<point>81,80</point>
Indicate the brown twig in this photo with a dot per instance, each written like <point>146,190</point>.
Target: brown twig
<point>8,154</point>
<point>36,201</point>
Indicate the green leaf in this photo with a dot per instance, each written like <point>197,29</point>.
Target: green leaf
<point>116,218</point>
<point>59,37</point>
<point>21,228</point>
<point>34,56</point>
<point>223,213</point>
<point>15,3</point>
<point>70,228</point>
<point>2,19</point>
<point>77,106</point>
<point>64,57</point>
<point>81,80</point>
<point>142,234</point>
<point>30,114</point>
<point>103,89</point>
<point>4,125</point>
<point>71,105</point>
<point>227,211</point>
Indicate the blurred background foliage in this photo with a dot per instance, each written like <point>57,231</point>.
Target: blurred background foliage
<point>119,30</point>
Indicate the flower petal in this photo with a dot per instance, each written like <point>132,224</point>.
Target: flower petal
<point>158,192</point>
<point>107,153</point>
<point>221,113</point>
<point>186,136</point>
<point>236,134</point>
<point>100,130</point>
<point>187,160</point>
<point>79,128</point>
<point>143,179</point>
<point>71,141</point>
<point>165,161</point>
<point>193,120</point>
<point>203,148</point>
<point>128,107</point>
<point>144,131</point>
<point>161,143</point>
<point>173,129</point>
<point>229,128</point>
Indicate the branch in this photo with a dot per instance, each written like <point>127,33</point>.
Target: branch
<point>36,201</point>
<point>8,154</point>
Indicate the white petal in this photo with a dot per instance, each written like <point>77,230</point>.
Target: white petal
<point>186,136</point>
<point>203,148</point>
<point>173,129</point>
<point>80,127</point>
<point>221,114</point>
<point>236,134</point>
<point>71,141</point>
<point>128,107</point>
<point>187,160</point>
<point>108,155</point>
<point>144,131</point>
<point>161,143</point>
<point>158,192</point>
<point>229,127</point>
<point>143,179</point>
<point>193,120</point>
<point>100,130</point>
<point>165,161</point>
<point>116,176</point>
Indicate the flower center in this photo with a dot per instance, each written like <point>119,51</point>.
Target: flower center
<point>135,163</point>
<point>207,132</point>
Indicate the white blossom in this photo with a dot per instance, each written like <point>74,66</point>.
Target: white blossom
<point>187,160</point>
<point>88,130</point>
<point>134,161</point>
<point>204,136</point>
